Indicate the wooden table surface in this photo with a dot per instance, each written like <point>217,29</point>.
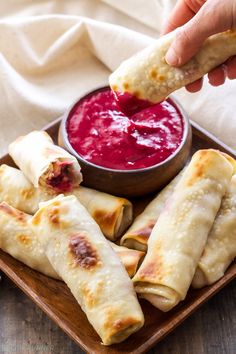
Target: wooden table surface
<point>25,329</point>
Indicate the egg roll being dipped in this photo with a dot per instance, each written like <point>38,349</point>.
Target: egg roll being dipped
<point>147,76</point>
<point>179,236</point>
<point>113,214</point>
<point>84,259</point>
<point>44,163</point>
<point>220,249</point>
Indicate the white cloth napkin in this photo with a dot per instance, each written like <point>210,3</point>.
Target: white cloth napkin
<point>51,52</point>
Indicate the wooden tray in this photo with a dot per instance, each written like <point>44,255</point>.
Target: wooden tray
<point>55,299</point>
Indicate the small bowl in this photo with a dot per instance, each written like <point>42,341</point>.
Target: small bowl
<point>130,183</point>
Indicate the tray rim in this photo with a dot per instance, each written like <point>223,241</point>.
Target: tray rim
<point>159,334</point>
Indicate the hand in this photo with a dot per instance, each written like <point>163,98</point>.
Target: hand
<point>199,20</point>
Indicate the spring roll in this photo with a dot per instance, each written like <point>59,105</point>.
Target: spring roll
<point>136,237</point>
<point>45,164</point>
<point>179,236</point>
<point>147,75</point>
<point>84,259</point>
<point>131,259</point>
<point>18,239</point>
<point>220,249</point>
<point>113,214</point>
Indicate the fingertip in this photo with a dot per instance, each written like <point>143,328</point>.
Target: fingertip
<point>231,68</point>
<point>171,57</point>
<point>194,86</point>
<point>216,77</point>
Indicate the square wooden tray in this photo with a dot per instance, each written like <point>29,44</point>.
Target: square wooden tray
<point>55,299</point>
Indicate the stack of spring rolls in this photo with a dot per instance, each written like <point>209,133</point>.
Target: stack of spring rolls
<point>185,236</point>
<point>62,236</point>
<point>188,231</point>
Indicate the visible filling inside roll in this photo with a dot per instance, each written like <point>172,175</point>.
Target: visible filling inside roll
<point>60,177</point>
<point>160,296</point>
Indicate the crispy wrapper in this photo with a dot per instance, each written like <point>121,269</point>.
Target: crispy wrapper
<point>220,249</point>
<point>136,237</point>
<point>78,251</point>
<point>112,214</point>
<point>131,259</point>
<point>19,240</point>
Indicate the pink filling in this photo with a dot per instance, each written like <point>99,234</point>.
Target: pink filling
<point>62,179</point>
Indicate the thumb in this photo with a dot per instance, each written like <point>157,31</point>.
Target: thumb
<point>190,37</point>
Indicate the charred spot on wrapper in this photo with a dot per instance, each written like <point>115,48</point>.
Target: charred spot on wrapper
<point>126,85</point>
<point>161,78</point>
<point>38,216</point>
<point>144,233</point>
<point>24,240</point>
<point>54,215</point>
<point>83,252</point>
<point>19,215</point>
<point>153,74</point>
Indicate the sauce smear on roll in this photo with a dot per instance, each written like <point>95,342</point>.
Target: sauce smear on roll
<point>137,137</point>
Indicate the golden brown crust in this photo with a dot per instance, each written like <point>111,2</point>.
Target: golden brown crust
<point>153,271</point>
<point>204,160</point>
<point>92,296</point>
<point>119,324</point>
<point>143,234</point>
<point>131,259</point>
<point>24,239</point>
<point>19,215</point>
<point>105,220</point>
<point>37,217</point>
<point>126,85</point>
<point>53,215</point>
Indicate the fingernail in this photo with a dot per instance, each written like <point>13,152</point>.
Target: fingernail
<point>171,57</point>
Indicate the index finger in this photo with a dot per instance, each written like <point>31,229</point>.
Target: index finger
<point>179,16</point>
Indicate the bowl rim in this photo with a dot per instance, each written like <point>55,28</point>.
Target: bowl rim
<point>66,115</point>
